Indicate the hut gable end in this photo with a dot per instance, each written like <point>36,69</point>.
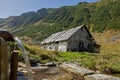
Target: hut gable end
<point>75,39</point>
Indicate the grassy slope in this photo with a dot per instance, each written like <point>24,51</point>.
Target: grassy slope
<point>109,41</point>
<point>107,60</point>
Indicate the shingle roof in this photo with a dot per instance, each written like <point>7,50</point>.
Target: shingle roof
<point>60,36</point>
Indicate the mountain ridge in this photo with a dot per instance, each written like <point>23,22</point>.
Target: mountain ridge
<point>98,16</point>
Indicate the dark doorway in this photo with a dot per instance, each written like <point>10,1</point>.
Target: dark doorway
<point>81,46</point>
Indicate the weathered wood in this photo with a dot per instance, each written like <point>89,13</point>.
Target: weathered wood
<point>3,60</point>
<point>75,39</point>
<point>86,74</point>
<point>14,65</point>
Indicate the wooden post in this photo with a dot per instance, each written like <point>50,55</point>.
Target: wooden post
<point>14,65</point>
<point>4,51</point>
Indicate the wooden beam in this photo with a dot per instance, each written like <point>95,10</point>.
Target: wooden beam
<point>14,65</point>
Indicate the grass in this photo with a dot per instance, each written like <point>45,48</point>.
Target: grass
<point>107,61</point>
<point>104,62</point>
<point>71,56</point>
<point>108,47</point>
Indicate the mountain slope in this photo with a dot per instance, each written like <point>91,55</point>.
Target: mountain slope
<point>106,15</point>
<point>25,18</point>
<point>98,16</point>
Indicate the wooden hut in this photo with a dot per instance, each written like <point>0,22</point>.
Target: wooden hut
<point>75,39</point>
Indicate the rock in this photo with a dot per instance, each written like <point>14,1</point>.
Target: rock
<point>21,68</point>
<point>33,61</point>
<point>50,64</point>
<point>86,74</point>
<point>41,64</point>
<point>100,77</point>
<point>70,67</point>
<point>21,64</point>
<point>53,70</point>
<point>24,71</point>
<point>41,69</point>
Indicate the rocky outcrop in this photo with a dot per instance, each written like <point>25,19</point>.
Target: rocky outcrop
<point>86,74</point>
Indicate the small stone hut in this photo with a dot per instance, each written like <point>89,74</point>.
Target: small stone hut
<point>75,39</point>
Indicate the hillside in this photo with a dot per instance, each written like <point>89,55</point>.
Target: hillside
<point>25,19</point>
<point>98,16</point>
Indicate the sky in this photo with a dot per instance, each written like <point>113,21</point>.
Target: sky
<point>17,7</point>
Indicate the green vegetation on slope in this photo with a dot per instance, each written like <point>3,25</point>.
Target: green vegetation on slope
<point>106,16</point>
<point>70,16</point>
<point>98,16</point>
<point>103,62</point>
